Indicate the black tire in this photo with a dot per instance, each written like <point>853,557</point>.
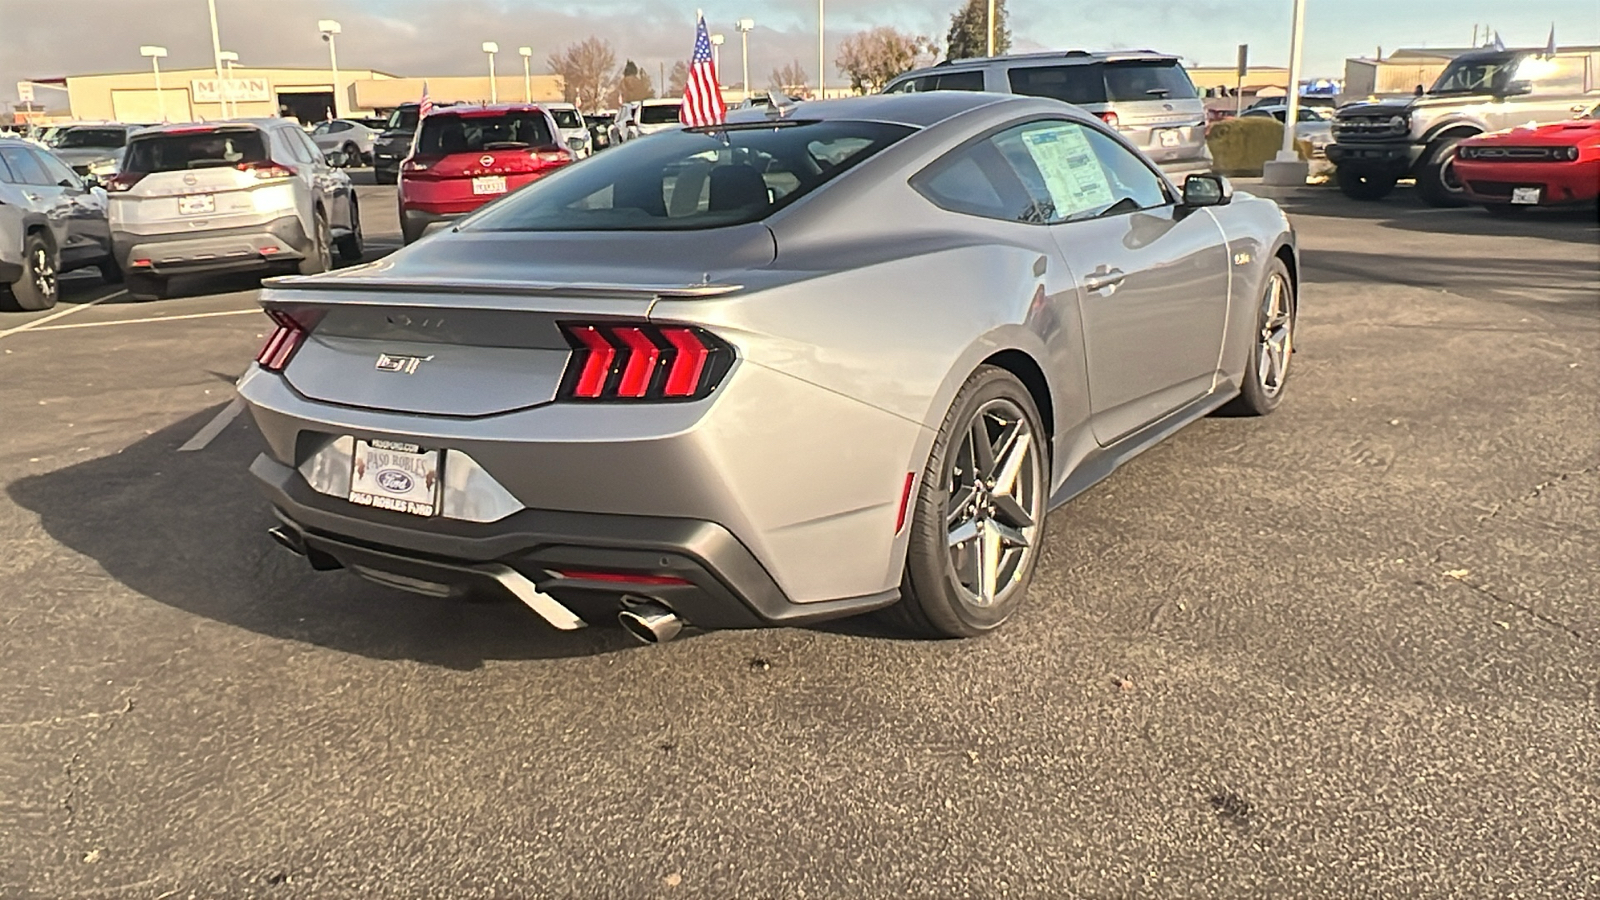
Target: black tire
<point>352,156</point>
<point>351,246</point>
<point>382,177</point>
<point>935,601</point>
<point>37,288</point>
<point>1264,382</point>
<point>319,258</point>
<point>1359,185</point>
<point>146,287</point>
<point>110,272</point>
<point>410,233</point>
<point>1436,179</point>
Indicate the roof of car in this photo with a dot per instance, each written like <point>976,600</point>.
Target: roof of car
<point>485,109</point>
<point>660,101</point>
<point>1070,56</point>
<point>918,110</point>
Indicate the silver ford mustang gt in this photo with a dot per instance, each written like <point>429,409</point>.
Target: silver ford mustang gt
<point>822,360</point>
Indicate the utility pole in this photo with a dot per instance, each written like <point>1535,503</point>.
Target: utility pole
<point>1289,168</point>
<point>822,53</point>
<point>991,29</point>
<point>216,55</point>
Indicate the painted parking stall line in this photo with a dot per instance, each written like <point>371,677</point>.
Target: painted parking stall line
<point>30,326</point>
<point>146,321</point>
<point>207,434</point>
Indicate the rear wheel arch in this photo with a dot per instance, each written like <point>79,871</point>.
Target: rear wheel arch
<point>1290,262</point>
<point>1029,372</point>
<point>43,231</point>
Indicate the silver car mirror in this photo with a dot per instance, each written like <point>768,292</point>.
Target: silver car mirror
<point>336,158</point>
<point>1207,190</point>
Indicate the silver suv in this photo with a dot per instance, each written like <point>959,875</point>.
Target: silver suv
<point>1376,144</point>
<point>234,196</point>
<point>1143,94</point>
<point>50,222</point>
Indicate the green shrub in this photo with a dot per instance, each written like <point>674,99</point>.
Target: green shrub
<point>1240,146</point>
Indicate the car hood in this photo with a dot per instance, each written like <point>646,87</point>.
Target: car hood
<point>82,156</point>
<point>1404,105</point>
<point>1582,132</point>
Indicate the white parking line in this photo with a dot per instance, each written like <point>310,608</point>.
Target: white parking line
<point>204,315</point>
<point>58,314</point>
<point>213,428</point>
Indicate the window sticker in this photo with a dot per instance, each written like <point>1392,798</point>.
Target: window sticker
<point>1071,171</point>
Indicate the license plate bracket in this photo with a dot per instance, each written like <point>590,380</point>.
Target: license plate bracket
<point>1168,137</point>
<point>396,476</point>
<point>1526,196</point>
<point>489,184</point>
<point>196,204</point>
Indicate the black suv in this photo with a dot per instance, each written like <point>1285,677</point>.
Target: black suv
<point>392,145</point>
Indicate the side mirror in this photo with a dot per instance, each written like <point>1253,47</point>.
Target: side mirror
<point>337,158</point>
<point>1518,88</point>
<point>1207,190</point>
<point>577,143</point>
<point>1417,91</point>
<point>90,181</point>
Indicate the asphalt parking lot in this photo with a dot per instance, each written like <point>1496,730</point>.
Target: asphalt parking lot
<point>1346,650</point>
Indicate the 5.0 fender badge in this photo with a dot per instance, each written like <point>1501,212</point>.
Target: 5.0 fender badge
<point>1242,258</point>
<point>405,365</point>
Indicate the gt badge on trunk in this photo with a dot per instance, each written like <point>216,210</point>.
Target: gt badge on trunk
<point>405,365</point>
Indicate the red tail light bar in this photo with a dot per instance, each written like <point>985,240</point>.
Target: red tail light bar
<point>634,361</point>
<point>1110,118</point>
<point>123,181</point>
<point>281,344</point>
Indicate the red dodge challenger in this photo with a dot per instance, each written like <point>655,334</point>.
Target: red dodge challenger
<point>1548,165</point>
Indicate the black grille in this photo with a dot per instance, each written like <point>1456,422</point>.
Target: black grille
<point>1517,154</point>
<point>1493,188</point>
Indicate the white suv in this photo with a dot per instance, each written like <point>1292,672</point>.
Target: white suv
<point>226,197</point>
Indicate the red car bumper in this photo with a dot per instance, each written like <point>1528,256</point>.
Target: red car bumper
<point>452,196</point>
<point>1559,183</point>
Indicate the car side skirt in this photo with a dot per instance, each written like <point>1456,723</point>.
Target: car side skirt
<point>1099,465</point>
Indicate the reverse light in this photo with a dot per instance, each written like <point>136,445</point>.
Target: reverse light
<point>1108,117</point>
<point>281,344</point>
<point>642,362</point>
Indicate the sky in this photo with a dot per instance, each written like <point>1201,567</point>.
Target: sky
<point>442,37</point>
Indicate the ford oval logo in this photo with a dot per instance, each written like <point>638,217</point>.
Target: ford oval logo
<point>395,481</point>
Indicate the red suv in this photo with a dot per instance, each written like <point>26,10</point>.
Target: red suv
<point>465,156</point>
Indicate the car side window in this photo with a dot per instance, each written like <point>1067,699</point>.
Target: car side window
<point>958,81</point>
<point>336,127</point>
<point>978,180</point>
<point>57,171</point>
<point>5,171</point>
<point>25,168</point>
<point>1132,180</point>
<point>308,150</point>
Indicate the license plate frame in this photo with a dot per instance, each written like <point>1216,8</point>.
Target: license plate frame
<point>1168,138</point>
<point>488,185</point>
<point>1526,196</point>
<point>395,475</point>
<point>197,204</point>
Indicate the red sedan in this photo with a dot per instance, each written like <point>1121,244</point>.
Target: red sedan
<point>465,156</point>
<point>1548,165</point>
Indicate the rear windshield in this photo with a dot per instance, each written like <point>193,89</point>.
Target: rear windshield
<point>74,138</point>
<point>696,178</point>
<point>1156,80</point>
<point>1073,84</point>
<point>1115,82</point>
<point>403,119</point>
<point>566,118</point>
<point>207,150</point>
<point>659,115</point>
<point>445,133</point>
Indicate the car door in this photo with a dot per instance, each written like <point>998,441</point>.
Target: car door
<point>331,184</point>
<point>84,211</point>
<point>1152,276</point>
<point>40,191</point>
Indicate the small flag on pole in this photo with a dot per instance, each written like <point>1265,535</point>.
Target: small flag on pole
<point>702,95</point>
<point>426,106</point>
<point>1497,43</point>
<point>1550,45</point>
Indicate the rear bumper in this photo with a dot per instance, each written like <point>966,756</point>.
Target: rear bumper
<point>726,586</point>
<point>1392,159</point>
<point>221,250</point>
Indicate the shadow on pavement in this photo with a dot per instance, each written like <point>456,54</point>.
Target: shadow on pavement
<point>189,530</point>
<point>1406,211</point>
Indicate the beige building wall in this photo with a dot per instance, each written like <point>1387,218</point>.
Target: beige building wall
<point>388,93</point>
<point>117,95</point>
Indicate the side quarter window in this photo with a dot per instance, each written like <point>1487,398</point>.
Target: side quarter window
<point>977,180</point>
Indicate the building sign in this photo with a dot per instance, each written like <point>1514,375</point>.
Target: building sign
<point>236,90</point>
<point>25,91</point>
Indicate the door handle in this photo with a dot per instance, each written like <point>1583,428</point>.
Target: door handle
<point>1103,280</point>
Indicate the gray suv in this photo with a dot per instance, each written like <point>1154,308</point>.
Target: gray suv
<point>1378,143</point>
<point>1147,96</point>
<point>50,222</point>
<point>252,194</point>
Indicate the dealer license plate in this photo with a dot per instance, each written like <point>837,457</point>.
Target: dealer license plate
<point>489,184</point>
<point>195,204</point>
<point>395,476</point>
<point>1525,195</point>
<point>1169,137</point>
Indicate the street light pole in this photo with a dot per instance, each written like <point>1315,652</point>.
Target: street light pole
<point>216,53</point>
<point>745,26</point>
<point>991,29</point>
<point>329,28</point>
<point>155,54</point>
<point>822,53</point>
<point>717,41</point>
<point>230,108</point>
<point>527,73</point>
<point>1288,168</point>
<point>491,48</point>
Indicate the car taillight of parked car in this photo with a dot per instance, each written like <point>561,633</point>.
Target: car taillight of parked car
<point>123,181</point>
<point>266,170</point>
<point>642,362</point>
<point>1110,118</point>
<point>552,157</point>
<point>417,164</point>
<point>284,340</point>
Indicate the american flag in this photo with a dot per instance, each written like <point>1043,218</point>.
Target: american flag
<point>702,96</point>
<point>426,106</point>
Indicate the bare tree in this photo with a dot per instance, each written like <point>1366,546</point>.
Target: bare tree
<point>872,57</point>
<point>677,79</point>
<point>586,69</point>
<point>791,79</point>
<point>635,83</point>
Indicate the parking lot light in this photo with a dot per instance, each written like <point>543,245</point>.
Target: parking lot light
<point>491,48</point>
<point>745,26</point>
<point>1288,167</point>
<point>527,77</point>
<point>716,53</point>
<point>227,58</point>
<point>329,28</point>
<point>822,32</point>
<point>156,54</point>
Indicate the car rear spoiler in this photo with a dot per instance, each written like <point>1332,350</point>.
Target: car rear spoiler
<point>518,288</point>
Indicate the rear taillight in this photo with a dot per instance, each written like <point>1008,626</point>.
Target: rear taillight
<point>123,182</point>
<point>642,362</point>
<point>416,164</point>
<point>266,169</point>
<point>552,157</point>
<point>281,344</point>
<point>1110,118</point>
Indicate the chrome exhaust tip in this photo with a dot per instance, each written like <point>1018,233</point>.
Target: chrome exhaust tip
<point>287,539</point>
<point>649,621</point>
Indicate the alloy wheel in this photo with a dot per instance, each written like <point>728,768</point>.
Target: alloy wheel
<point>1277,337</point>
<point>44,272</point>
<point>994,503</point>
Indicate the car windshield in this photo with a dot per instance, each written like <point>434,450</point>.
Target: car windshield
<point>1475,75</point>
<point>206,150</point>
<point>1148,80</point>
<point>76,138</point>
<point>696,178</point>
<point>662,114</point>
<point>403,119</point>
<point>446,133</point>
<point>566,118</point>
